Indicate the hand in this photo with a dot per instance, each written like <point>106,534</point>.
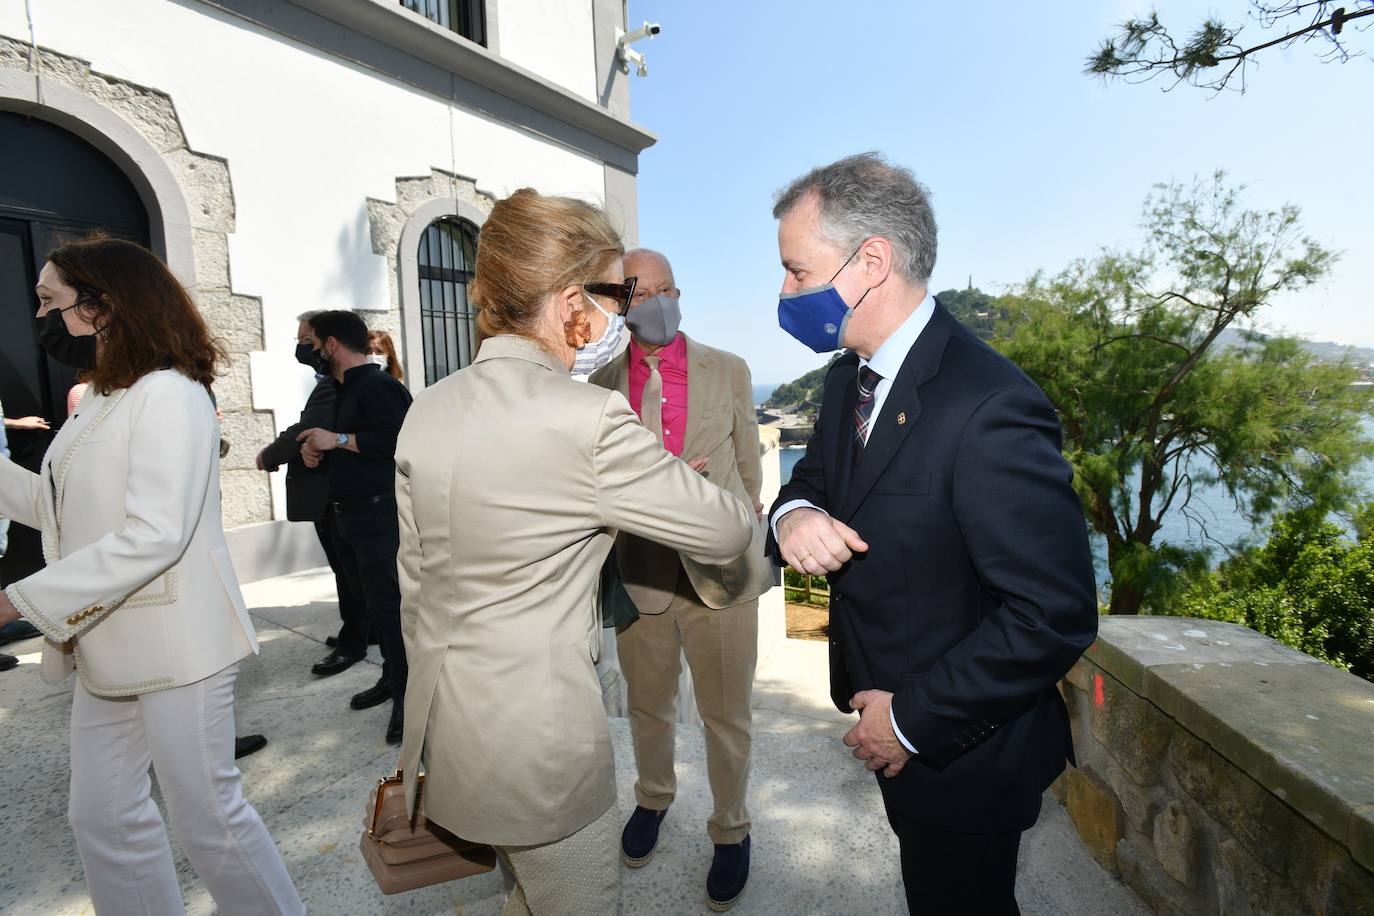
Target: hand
<point>8,612</point>
<point>698,464</point>
<point>27,423</point>
<point>814,543</point>
<point>311,456</point>
<point>321,440</point>
<point>758,510</point>
<point>258,462</point>
<point>873,739</point>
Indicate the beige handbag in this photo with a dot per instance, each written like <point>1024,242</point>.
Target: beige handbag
<point>405,853</point>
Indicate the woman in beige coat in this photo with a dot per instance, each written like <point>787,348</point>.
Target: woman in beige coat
<point>512,479</point>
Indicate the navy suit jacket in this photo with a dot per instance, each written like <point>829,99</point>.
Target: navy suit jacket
<point>976,594</point>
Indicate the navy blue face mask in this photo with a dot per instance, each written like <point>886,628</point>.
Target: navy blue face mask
<point>817,316</point>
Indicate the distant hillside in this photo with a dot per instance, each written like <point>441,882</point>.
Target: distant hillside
<point>977,310</point>
<point>1325,350</point>
<point>802,396</point>
<point>980,312</point>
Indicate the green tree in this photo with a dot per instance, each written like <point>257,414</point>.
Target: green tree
<point>1214,56</point>
<point>1124,345</point>
<point>1308,587</point>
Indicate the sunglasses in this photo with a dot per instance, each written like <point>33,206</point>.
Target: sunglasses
<point>622,293</point>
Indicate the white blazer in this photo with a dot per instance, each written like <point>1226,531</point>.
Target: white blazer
<point>139,593</point>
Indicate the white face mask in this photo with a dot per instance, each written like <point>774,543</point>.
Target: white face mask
<point>598,353</point>
<point>377,359</point>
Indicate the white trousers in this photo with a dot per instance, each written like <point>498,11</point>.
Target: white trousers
<point>187,735</point>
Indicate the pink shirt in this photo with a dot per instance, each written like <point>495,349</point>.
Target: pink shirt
<point>74,396</point>
<point>673,368</point>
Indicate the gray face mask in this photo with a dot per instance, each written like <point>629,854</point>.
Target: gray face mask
<point>655,321</point>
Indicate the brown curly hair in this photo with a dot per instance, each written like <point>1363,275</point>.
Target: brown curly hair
<point>145,318</point>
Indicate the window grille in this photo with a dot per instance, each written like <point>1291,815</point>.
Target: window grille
<point>466,17</point>
<point>448,321</point>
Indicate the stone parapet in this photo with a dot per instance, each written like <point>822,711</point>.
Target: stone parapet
<point>1220,771</point>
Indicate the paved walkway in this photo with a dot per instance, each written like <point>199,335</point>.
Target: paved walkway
<point>821,843</point>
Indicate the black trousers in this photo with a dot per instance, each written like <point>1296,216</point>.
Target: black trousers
<point>352,606</point>
<point>948,872</point>
<point>368,537</point>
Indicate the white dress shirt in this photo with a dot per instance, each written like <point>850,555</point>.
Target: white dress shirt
<point>887,362</point>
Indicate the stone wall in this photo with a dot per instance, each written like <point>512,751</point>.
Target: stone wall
<point>1221,772</point>
<point>203,182</point>
<point>388,221</point>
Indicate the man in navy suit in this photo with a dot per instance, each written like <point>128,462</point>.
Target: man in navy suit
<point>934,496</point>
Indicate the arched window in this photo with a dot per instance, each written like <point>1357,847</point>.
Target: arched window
<point>447,255</point>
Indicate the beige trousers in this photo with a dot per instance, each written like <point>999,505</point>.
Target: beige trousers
<point>578,875</point>
<point>722,647</point>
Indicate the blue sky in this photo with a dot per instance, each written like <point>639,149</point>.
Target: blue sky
<point>1031,163</point>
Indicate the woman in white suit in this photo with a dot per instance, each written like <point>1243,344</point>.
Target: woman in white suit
<point>512,479</point>
<point>138,594</point>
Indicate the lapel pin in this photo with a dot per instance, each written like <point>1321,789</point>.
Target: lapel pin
<point>901,419</point>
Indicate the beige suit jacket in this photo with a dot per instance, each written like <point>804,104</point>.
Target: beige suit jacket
<point>138,591</point>
<point>723,428</point>
<point>510,480</point>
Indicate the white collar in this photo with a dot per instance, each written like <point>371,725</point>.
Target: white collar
<point>888,359</point>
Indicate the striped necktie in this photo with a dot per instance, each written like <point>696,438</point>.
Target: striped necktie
<point>863,409</point>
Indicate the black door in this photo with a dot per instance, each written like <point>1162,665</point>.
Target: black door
<point>54,186</point>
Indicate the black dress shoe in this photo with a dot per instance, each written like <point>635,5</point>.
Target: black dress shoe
<point>7,662</point>
<point>248,744</point>
<point>729,873</point>
<point>639,839</point>
<point>375,695</point>
<point>396,727</point>
<point>333,663</point>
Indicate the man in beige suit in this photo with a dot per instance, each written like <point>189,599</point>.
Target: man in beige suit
<point>698,401</point>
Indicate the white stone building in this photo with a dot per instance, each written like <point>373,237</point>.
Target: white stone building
<point>284,155</point>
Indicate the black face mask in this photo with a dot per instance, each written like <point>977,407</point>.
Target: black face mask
<point>320,362</point>
<point>64,346</point>
<point>305,355</point>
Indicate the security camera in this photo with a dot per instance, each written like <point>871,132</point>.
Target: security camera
<point>628,56</point>
<point>647,30</point>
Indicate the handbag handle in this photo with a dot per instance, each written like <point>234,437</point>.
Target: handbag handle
<point>394,779</point>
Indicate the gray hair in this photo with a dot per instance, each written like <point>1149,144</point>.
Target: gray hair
<point>649,253</point>
<point>309,316</point>
<point>862,196</point>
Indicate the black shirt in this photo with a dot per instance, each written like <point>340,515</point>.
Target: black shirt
<point>370,407</point>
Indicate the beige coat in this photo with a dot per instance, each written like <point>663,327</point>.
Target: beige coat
<point>138,592</point>
<point>510,478</point>
<point>721,427</point>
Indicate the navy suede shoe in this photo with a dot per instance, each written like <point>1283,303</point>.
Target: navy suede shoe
<point>640,837</point>
<point>729,874</point>
<point>16,630</point>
